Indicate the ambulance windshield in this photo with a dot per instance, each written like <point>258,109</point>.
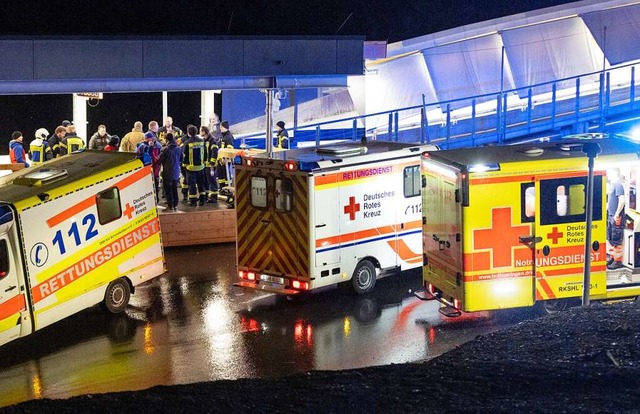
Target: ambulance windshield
<point>6,215</point>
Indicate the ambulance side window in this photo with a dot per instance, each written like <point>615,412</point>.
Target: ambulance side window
<point>527,202</point>
<point>108,203</point>
<point>284,194</point>
<point>4,259</point>
<point>412,181</point>
<point>259,192</point>
<point>564,200</point>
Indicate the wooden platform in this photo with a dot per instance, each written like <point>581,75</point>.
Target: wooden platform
<point>189,226</point>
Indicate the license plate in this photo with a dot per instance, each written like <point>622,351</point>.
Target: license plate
<point>272,279</point>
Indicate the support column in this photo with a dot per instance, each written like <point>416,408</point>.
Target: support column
<point>80,117</point>
<point>268,93</point>
<point>165,109</point>
<point>207,105</point>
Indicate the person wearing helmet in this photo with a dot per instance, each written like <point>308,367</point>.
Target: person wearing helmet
<point>40,148</point>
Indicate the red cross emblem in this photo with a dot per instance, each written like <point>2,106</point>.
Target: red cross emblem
<point>128,211</point>
<point>555,235</point>
<point>352,208</point>
<point>501,238</point>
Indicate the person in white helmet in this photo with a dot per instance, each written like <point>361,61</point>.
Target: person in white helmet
<point>39,148</point>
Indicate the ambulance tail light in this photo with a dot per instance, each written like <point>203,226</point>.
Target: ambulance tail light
<point>290,165</point>
<point>457,304</point>
<point>298,285</point>
<point>431,288</point>
<point>249,162</point>
<point>464,184</point>
<point>243,274</point>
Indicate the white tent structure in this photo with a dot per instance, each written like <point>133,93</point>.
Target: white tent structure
<point>523,59</point>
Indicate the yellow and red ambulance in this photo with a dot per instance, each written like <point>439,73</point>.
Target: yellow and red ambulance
<point>75,231</point>
<point>505,227</point>
<point>314,217</point>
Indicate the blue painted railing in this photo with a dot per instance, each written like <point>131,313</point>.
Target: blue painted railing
<point>579,104</point>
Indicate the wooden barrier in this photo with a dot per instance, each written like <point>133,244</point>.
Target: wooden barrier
<point>12,166</point>
<point>193,227</point>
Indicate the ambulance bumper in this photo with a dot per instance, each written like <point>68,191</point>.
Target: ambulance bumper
<point>267,288</point>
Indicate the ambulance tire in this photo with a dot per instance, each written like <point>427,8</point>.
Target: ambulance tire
<point>364,277</point>
<point>116,298</point>
<point>551,307</point>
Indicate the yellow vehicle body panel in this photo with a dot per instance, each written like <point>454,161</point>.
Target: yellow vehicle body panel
<point>522,227</point>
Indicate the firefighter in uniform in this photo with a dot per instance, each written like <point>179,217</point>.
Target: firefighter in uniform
<point>195,155</point>
<point>56,139</point>
<point>168,127</point>
<point>212,158</point>
<point>71,142</point>
<point>39,147</point>
<point>226,141</point>
<point>282,137</point>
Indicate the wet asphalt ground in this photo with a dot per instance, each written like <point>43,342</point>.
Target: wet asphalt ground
<point>193,325</point>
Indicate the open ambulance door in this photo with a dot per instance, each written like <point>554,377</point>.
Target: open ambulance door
<point>13,299</point>
<point>560,231</point>
<point>442,227</point>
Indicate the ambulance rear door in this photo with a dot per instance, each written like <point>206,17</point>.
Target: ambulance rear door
<point>288,223</point>
<point>13,296</point>
<point>560,232</point>
<point>255,232</point>
<point>442,224</point>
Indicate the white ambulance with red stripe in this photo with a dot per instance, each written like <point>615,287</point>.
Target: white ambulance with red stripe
<point>313,217</point>
<point>76,231</point>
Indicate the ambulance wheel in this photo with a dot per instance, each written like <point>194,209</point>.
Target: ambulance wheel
<point>116,298</point>
<point>364,277</point>
<point>551,307</point>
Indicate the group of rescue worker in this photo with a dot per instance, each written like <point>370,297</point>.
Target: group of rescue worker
<point>44,147</point>
<point>190,159</point>
<point>193,156</point>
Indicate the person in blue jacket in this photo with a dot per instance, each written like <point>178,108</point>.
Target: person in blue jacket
<point>16,150</point>
<point>171,159</point>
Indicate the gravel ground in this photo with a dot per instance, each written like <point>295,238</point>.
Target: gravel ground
<point>583,360</point>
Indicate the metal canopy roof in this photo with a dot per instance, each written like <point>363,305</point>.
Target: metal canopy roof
<point>41,65</point>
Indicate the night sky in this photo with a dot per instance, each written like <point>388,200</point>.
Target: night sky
<point>375,19</point>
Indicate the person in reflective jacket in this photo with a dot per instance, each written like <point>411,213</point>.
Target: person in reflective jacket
<point>195,155</point>
<point>71,142</point>
<point>39,148</point>
<point>282,137</point>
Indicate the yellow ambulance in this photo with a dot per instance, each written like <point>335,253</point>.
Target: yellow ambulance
<point>505,227</point>
<point>75,231</point>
